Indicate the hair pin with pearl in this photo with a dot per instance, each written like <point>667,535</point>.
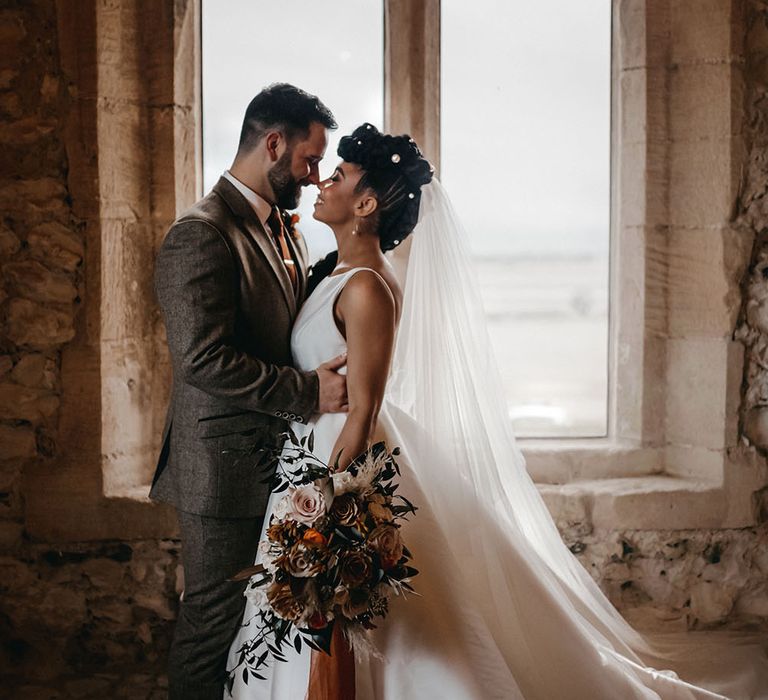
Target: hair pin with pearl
<point>395,157</point>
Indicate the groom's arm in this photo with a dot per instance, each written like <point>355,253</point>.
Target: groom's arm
<point>195,281</point>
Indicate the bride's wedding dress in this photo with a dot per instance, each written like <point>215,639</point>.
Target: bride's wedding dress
<point>505,610</point>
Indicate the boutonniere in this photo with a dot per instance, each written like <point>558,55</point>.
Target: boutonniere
<point>290,223</point>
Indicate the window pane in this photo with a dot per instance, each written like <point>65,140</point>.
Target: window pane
<point>526,157</point>
<point>248,44</point>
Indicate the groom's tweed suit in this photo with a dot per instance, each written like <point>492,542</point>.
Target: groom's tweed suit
<point>228,306</point>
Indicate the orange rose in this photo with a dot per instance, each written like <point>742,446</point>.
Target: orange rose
<point>313,537</point>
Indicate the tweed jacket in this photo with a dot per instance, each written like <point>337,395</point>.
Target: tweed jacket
<point>228,306</point>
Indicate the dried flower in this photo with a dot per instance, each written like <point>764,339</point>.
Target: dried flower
<point>380,513</point>
<point>356,603</point>
<point>385,540</point>
<point>283,602</point>
<point>345,509</point>
<point>299,561</point>
<point>355,567</point>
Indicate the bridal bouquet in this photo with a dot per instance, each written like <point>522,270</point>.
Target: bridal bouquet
<point>332,555</point>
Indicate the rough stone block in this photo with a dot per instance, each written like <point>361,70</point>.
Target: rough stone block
<point>37,371</point>
<point>32,280</point>
<point>11,534</point>
<point>157,602</point>
<point>30,324</point>
<point>63,609</point>
<point>104,574</point>
<point>711,602</point>
<point>35,200</point>
<point>569,509</point>
<point>24,403</point>
<point>16,442</point>
<point>15,576</point>
<point>754,603</point>
<point>9,242</point>
<point>12,33</point>
<point>56,245</point>
<point>115,611</point>
<point>6,365</point>
<point>7,76</point>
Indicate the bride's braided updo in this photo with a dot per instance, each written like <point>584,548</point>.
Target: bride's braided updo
<point>395,170</point>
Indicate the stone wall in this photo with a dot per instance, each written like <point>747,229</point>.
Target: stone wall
<point>74,600</point>
<point>680,579</point>
<point>753,220</point>
<point>100,611</point>
<point>41,248</point>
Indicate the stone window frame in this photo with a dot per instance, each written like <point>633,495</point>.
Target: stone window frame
<point>672,457</point>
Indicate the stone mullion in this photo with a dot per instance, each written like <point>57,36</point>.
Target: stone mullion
<point>412,72</point>
<point>412,84</point>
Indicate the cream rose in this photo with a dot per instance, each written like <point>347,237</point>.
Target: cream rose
<point>307,504</point>
<point>282,507</point>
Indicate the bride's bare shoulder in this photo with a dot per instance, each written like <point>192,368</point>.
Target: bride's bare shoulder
<point>377,290</point>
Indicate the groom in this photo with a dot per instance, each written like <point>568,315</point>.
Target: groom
<point>230,277</point>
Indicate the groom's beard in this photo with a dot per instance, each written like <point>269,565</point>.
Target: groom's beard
<point>287,190</point>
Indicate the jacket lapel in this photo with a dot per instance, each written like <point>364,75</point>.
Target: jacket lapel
<point>258,235</point>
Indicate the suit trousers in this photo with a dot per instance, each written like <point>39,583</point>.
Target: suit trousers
<point>213,550</point>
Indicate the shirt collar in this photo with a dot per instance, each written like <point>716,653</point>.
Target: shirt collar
<point>260,205</point>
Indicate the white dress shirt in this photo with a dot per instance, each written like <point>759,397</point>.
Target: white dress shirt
<point>260,205</point>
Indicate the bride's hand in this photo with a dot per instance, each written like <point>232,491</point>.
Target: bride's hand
<point>333,386</point>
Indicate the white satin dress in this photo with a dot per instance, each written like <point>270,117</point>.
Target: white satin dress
<point>454,642</point>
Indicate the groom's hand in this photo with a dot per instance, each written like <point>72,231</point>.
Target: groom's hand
<point>333,386</point>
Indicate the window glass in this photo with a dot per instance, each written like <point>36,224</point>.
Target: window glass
<point>525,154</point>
<point>335,52</point>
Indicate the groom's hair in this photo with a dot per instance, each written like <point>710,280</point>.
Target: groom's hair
<point>286,108</point>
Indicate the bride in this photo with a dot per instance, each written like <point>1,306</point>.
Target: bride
<point>505,610</point>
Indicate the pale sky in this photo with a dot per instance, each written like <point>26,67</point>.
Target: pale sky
<point>525,105</point>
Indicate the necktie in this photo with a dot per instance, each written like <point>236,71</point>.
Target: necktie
<point>277,227</point>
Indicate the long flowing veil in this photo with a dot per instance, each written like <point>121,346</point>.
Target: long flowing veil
<point>445,378</point>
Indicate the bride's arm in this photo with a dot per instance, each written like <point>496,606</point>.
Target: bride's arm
<point>367,315</point>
